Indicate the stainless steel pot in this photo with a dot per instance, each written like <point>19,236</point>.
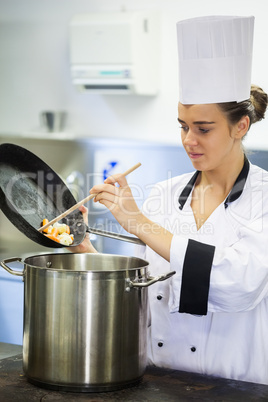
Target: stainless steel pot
<point>85,320</point>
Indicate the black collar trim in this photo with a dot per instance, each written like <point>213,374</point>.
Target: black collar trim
<point>239,185</point>
<point>187,189</point>
<point>234,194</point>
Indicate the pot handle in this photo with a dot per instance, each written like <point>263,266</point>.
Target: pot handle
<point>10,270</point>
<point>151,281</point>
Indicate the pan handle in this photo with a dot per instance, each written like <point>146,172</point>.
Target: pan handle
<point>10,270</point>
<point>116,236</point>
<point>151,281</point>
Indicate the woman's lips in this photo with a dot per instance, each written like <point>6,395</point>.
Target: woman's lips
<point>194,155</point>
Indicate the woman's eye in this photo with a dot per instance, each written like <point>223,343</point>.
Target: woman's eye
<point>184,128</point>
<point>203,130</point>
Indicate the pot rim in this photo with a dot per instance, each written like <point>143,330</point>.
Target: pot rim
<point>144,263</point>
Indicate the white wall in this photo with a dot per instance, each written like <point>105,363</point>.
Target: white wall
<point>34,68</point>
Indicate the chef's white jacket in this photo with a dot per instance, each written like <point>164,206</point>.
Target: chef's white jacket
<point>211,317</point>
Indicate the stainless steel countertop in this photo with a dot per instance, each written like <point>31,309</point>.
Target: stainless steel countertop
<point>8,349</point>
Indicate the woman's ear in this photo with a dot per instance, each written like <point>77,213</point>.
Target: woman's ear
<point>242,127</point>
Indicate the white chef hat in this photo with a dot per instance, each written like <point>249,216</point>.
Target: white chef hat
<point>215,55</point>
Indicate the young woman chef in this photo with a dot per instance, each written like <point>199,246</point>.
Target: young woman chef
<point>211,226</point>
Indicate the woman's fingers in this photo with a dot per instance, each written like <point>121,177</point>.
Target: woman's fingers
<point>84,211</point>
<point>109,185</point>
<point>117,178</point>
<point>111,200</point>
<point>105,188</point>
<point>106,196</point>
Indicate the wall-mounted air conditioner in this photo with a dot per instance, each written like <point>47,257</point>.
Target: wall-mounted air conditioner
<point>116,53</point>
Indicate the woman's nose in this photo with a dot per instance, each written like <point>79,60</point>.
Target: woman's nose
<point>189,138</point>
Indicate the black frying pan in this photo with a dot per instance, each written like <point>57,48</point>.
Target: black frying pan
<point>31,191</point>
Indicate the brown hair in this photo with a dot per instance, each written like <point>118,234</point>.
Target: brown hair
<point>254,107</point>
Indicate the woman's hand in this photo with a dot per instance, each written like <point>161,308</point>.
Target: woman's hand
<point>120,202</point>
<point>85,246</point>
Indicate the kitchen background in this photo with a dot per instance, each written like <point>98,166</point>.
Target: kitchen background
<point>102,132</point>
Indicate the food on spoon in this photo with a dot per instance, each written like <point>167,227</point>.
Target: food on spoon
<point>59,232</point>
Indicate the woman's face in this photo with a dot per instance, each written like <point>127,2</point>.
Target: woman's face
<point>206,136</point>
